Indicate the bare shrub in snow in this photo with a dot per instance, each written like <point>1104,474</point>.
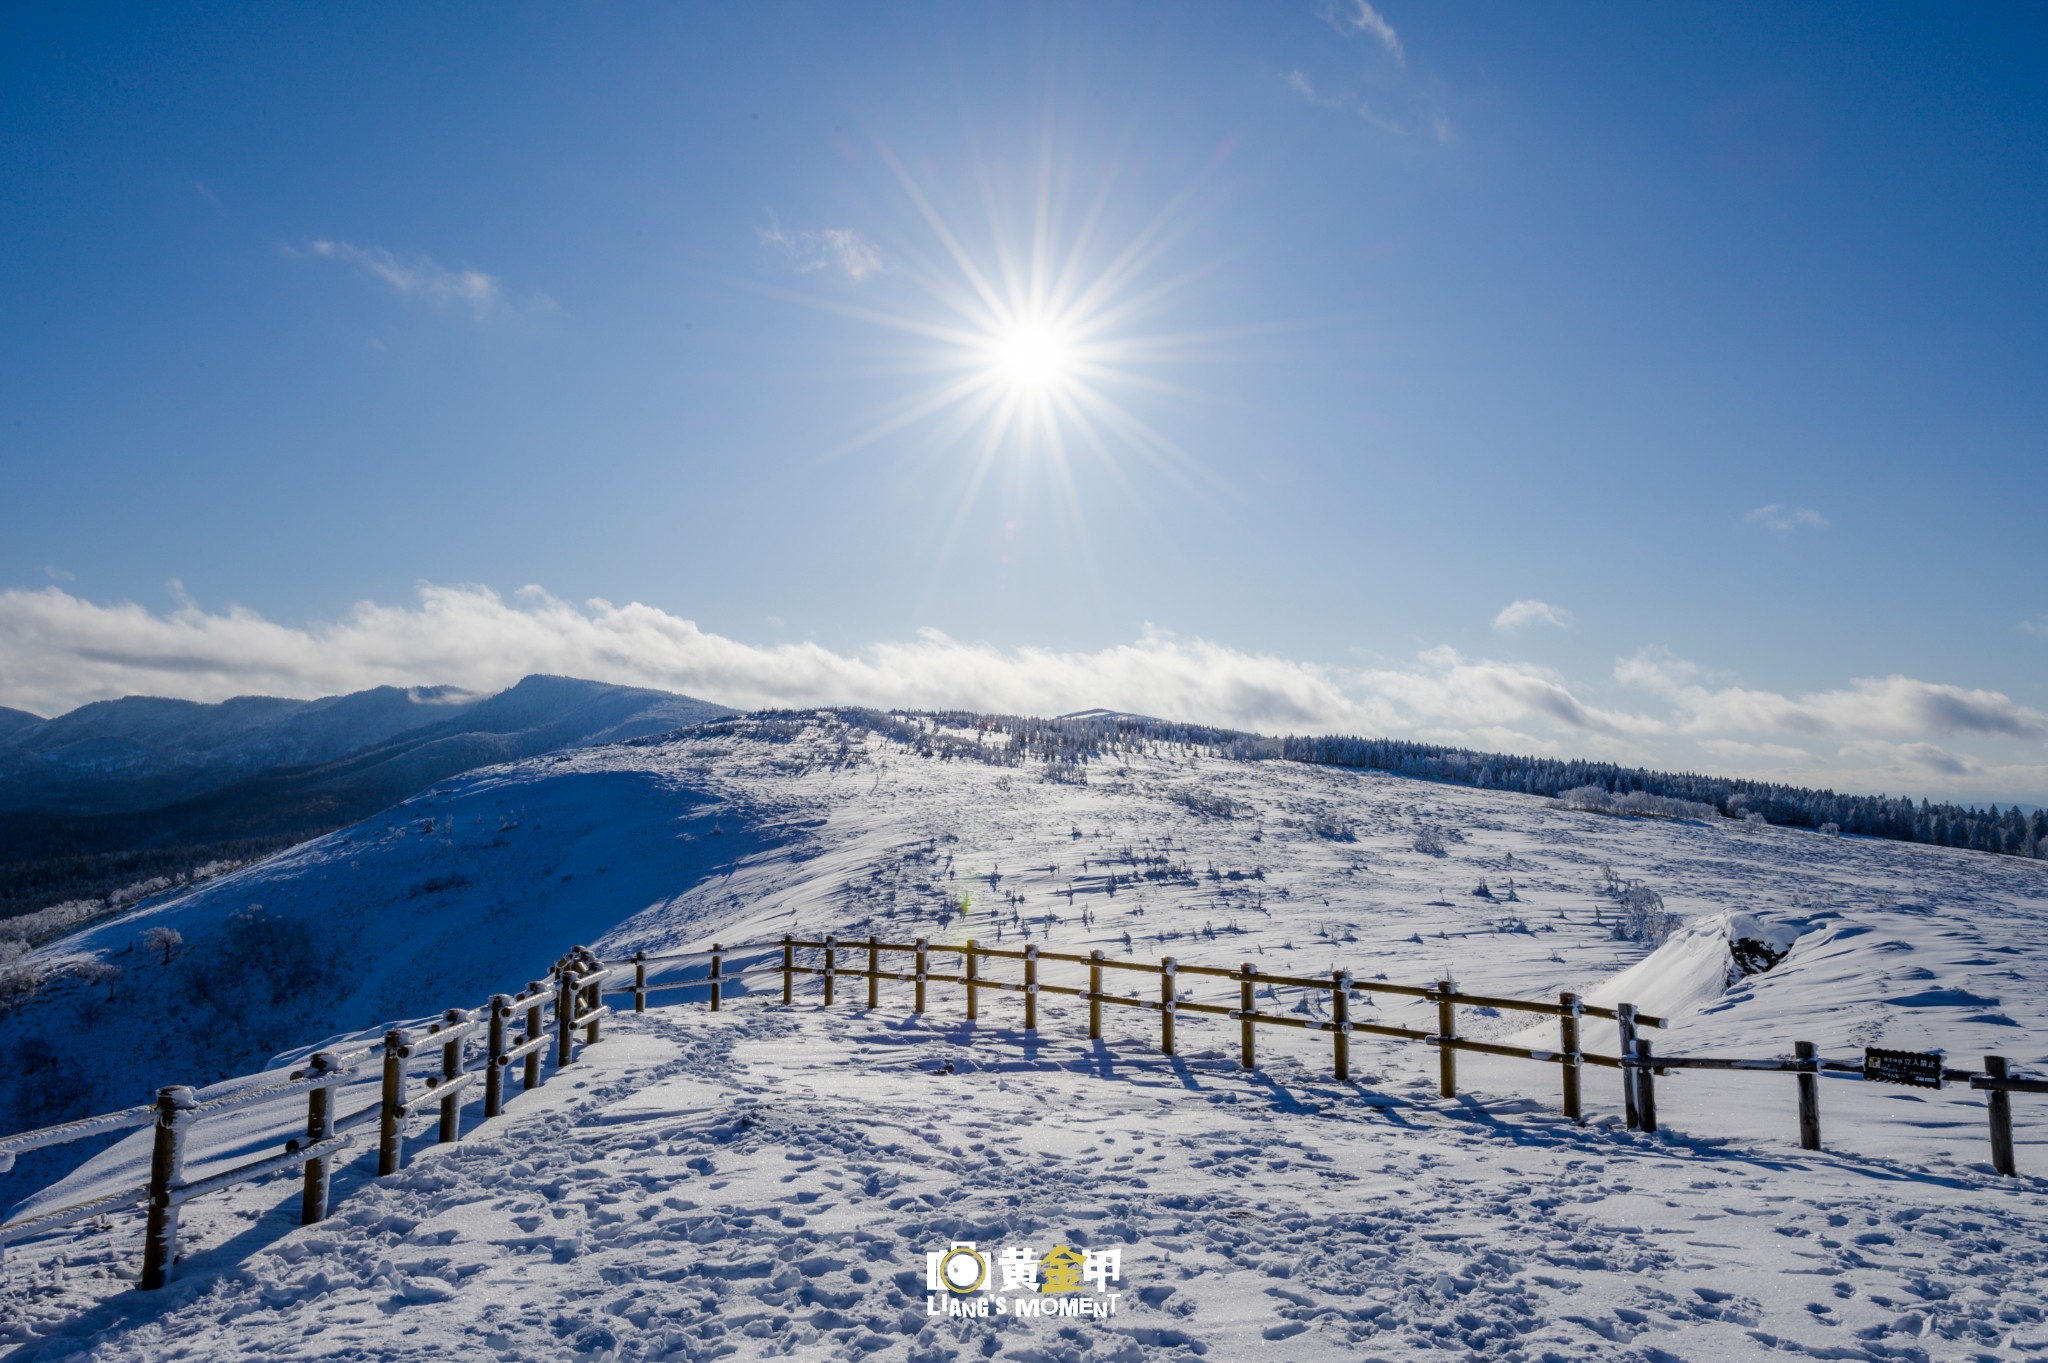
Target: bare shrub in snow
<point>1209,804</point>
<point>47,925</point>
<point>259,972</point>
<point>40,1094</point>
<point>1639,804</point>
<point>1331,827</point>
<point>1643,918</point>
<point>18,981</point>
<point>98,972</point>
<point>1430,841</point>
<point>1591,799</point>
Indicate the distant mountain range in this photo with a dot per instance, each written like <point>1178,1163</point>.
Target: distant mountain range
<point>131,789</point>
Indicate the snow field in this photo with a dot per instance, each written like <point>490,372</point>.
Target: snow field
<point>713,1186</point>
<point>766,1182</point>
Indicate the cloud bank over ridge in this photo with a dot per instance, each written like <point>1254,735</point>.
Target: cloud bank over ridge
<point>58,650</point>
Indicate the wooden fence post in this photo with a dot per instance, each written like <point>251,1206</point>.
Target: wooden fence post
<point>1998,1109</point>
<point>716,987</point>
<point>391,1123</point>
<point>536,1007</point>
<point>594,993</point>
<point>1095,995</point>
<point>565,1020</point>
<point>831,965</point>
<point>640,981</point>
<point>1030,988</point>
<point>973,974</point>
<point>874,973</point>
<point>1340,1020</point>
<point>1625,1023</point>
<point>788,968</point>
<point>1809,1095</point>
<point>166,1171</point>
<point>923,968</point>
<point>1246,1006</point>
<point>494,1056</point>
<point>319,1126</point>
<point>451,1070</point>
<point>1167,991</point>
<point>1646,1086</point>
<point>1568,1033</point>
<point>1446,1032</point>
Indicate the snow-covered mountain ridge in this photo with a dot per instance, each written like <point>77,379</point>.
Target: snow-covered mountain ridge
<point>752,828</point>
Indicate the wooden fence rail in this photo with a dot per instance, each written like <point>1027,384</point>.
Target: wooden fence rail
<point>1634,1059</point>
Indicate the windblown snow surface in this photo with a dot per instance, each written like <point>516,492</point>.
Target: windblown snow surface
<point>767,1182</point>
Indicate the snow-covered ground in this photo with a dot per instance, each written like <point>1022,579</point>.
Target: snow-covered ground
<point>766,1181</point>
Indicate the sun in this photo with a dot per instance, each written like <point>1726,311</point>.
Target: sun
<point>1032,356</point>
<point>1038,326</point>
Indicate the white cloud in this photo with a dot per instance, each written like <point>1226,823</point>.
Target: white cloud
<point>1783,520</point>
<point>840,248</point>
<point>58,650</point>
<point>1344,100</point>
<point>2036,626</point>
<point>1889,708</point>
<point>423,278</point>
<point>1516,614</point>
<point>1356,16</point>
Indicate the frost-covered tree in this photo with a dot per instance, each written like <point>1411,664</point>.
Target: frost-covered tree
<point>163,941</point>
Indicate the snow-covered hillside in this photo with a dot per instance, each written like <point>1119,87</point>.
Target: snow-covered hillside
<point>765,1181</point>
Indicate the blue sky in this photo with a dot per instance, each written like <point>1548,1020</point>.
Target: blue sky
<point>1646,382</point>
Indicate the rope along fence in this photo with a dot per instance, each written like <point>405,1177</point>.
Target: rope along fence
<point>548,1015</point>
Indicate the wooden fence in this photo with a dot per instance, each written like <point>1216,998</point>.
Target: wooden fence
<point>1635,1059</point>
<point>516,1030</point>
<point>548,1015</point>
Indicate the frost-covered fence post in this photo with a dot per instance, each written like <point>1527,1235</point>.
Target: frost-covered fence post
<point>640,981</point>
<point>1246,1006</point>
<point>1095,995</point>
<point>973,974</point>
<point>1809,1094</point>
<point>565,1019</point>
<point>874,973</point>
<point>1646,1086</point>
<point>716,987</point>
<point>451,1070</point>
<point>1625,1023</point>
<point>831,965</point>
<point>1446,1033</point>
<point>166,1172</point>
<point>1030,988</point>
<point>1167,989</point>
<point>391,1120</point>
<point>1340,1021</point>
<point>1568,1007</point>
<point>594,994</point>
<point>788,968</point>
<point>319,1127</point>
<point>1998,1110</point>
<point>494,1059</point>
<point>535,1008</point>
<point>922,968</point>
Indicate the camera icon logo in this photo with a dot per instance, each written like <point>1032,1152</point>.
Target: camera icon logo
<point>960,1268</point>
